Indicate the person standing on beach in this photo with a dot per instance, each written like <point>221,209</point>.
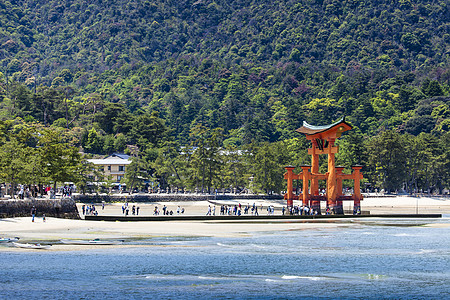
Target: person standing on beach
<point>137,211</point>
<point>33,213</point>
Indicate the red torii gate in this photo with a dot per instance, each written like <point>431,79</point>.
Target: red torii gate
<point>322,140</point>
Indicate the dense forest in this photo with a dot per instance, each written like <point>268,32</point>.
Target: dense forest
<point>207,94</point>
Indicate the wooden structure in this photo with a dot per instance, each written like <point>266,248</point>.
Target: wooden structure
<point>323,142</point>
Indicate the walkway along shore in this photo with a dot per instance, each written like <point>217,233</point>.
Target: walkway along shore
<point>245,217</point>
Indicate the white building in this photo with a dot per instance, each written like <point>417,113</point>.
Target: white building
<point>114,165</point>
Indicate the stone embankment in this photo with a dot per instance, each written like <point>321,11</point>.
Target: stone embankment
<point>170,197</point>
<point>60,208</point>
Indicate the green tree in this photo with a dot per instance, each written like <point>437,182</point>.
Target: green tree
<point>15,163</point>
<point>61,162</point>
<point>352,149</point>
<point>205,159</point>
<point>268,167</point>
<point>120,142</point>
<point>94,142</point>
<point>147,130</point>
<point>387,160</point>
<point>168,165</point>
<point>135,174</point>
<point>234,172</point>
<point>431,162</point>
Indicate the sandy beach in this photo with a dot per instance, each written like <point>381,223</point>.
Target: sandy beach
<point>54,229</point>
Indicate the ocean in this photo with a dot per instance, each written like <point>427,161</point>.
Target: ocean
<point>368,259</point>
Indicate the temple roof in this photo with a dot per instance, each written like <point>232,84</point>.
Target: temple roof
<point>312,129</point>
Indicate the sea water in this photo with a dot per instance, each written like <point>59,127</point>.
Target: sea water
<point>378,259</point>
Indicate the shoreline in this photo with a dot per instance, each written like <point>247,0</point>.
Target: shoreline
<point>55,229</point>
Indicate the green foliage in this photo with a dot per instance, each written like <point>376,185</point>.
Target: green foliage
<point>35,155</point>
<point>386,154</point>
<point>155,73</point>
<point>268,165</point>
<point>135,174</point>
<point>93,144</point>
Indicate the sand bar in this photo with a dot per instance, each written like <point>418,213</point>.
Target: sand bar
<point>54,229</point>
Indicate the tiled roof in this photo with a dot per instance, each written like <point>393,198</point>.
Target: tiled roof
<point>312,129</point>
<point>120,155</point>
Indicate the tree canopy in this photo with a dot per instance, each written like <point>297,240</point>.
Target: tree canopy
<point>148,75</point>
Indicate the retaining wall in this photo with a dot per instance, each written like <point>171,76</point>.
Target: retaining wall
<point>60,208</point>
<point>251,217</point>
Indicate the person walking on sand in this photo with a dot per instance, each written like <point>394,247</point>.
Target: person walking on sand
<point>209,210</point>
<point>33,213</point>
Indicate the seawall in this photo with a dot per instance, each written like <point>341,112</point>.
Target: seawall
<point>251,217</point>
<point>60,208</point>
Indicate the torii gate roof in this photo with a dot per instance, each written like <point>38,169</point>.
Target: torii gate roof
<point>312,129</point>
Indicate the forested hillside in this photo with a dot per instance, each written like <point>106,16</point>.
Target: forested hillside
<point>166,75</point>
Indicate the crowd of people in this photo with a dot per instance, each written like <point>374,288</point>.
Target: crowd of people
<point>167,212</point>
<point>31,191</point>
<point>89,210</point>
<point>239,209</point>
<point>301,210</point>
<point>225,210</point>
<point>134,209</point>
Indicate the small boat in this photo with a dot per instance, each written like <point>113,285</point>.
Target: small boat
<point>9,240</point>
<point>31,246</point>
<point>91,242</point>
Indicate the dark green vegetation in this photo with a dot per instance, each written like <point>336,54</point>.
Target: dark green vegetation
<point>168,76</point>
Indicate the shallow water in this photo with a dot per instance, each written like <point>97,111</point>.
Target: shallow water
<point>382,259</point>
